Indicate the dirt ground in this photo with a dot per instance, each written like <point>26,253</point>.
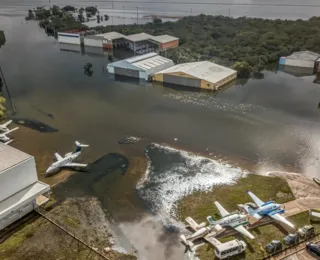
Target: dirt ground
<point>41,239</point>
<point>304,189</point>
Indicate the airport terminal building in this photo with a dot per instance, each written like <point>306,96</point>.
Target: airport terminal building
<point>20,190</point>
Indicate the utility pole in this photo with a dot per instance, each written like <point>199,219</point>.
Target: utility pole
<point>229,12</point>
<point>137,14</point>
<point>5,83</point>
<point>191,10</point>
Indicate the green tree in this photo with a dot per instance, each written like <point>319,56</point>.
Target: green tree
<point>157,21</point>
<point>69,8</point>
<point>106,17</point>
<point>243,68</point>
<point>91,10</point>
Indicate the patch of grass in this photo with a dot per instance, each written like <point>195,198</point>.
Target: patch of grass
<point>52,201</point>
<point>200,204</point>
<point>72,222</point>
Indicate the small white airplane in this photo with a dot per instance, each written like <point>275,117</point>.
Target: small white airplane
<point>235,220</point>
<point>269,208</point>
<point>4,138</point>
<point>200,232</point>
<point>4,127</point>
<point>67,160</point>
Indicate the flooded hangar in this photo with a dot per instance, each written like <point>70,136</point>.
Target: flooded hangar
<point>140,66</point>
<point>20,190</point>
<point>203,74</point>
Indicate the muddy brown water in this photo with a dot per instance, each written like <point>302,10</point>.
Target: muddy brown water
<point>271,123</point>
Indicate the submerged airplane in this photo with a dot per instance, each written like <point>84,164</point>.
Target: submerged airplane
<point>67,160</point>
<point>234,220</point>
<point>200,232</point>
<point>4,138</point>
<point>4,127</point>
<point>269,208</point>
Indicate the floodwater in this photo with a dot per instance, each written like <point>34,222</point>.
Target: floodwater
<point>271,9</point>
<point>271,123</point>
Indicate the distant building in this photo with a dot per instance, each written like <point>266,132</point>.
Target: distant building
<point>166,41</point>
<point>20,190</point>
<point>139,43</point>
<point>111,39</point>
<point>93,41</point>
<point>302,60</point>
<point>140,66</point>
<point>72,37</point>
<point>203,74</point>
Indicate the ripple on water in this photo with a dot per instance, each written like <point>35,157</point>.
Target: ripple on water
<point>173,174</point>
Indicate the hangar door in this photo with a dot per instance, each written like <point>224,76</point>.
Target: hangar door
<point>184,81</point>
<point>126,72</point>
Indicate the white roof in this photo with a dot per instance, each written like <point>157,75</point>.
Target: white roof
<point>152,62</point>
<point>139,37</point>
<point>203,70</point>
<point>10,156</point>
<point>111,35</point>
<point>165,38</point>
<point>22,197</point>
<point>228,245</point>
<point>304,55</point>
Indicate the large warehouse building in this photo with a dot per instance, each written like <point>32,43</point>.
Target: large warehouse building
<point>203,74</point>
<point>140,66</point>
<point>301,59</point>
<point>20,190</point>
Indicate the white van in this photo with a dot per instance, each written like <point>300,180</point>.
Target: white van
<point>228,249</point>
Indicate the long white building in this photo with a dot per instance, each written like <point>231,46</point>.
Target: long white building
<point>20,190</point>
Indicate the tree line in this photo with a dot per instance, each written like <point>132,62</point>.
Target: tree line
<point>246,44</point>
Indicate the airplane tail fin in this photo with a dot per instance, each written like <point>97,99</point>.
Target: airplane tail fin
<point>188,244</point>
<point>211,220</point>
<point>80,146</point>
<point>249,210</point>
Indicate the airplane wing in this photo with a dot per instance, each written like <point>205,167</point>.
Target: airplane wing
<point>58,157</point>
<point>6,124</point>
<point>14,129</point>
<point>282,219</point>
<point>194,225</point>
<point>221,209</point>
<point>258,201</point>
<point>75,165</point>
<point>241,229</point>
<point>213,241</point>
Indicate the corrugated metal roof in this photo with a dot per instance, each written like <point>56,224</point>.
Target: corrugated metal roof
<point>154,64</point>
<point>10,156</point>
<point>112,35</point>
<point>149,63</point>
<point>165,38</point>
<point>304,55</point>
<point>203,70</point>
<point>139,37</point>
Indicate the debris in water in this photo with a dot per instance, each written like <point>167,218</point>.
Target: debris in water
<point>129,140</point>
<point>176,139</point>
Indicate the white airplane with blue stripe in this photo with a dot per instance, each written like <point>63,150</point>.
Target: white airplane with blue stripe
<point>67,160</point>
<point>269,208</point>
